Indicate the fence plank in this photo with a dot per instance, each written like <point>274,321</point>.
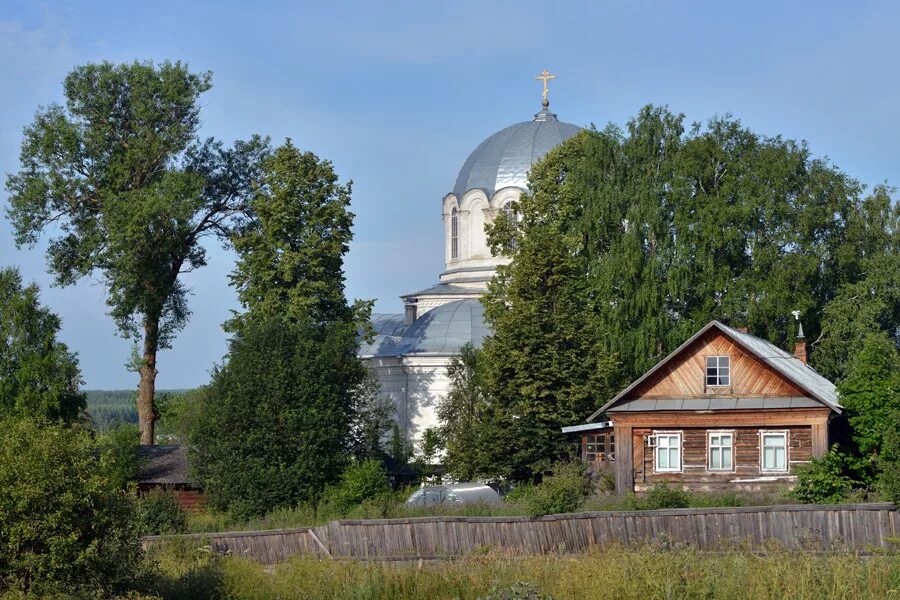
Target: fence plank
<point>823,528</point>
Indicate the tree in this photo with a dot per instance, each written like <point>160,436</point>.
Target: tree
<point>292,252</point>
<point>889,461</point>
<point>39,376</point>
<point>67,529</point>
<point>373,419</point>
<point>870,391</point>
<point>869,302</point>
<point>120,174</point>
<point>278,416</point>
<point>466,417</point>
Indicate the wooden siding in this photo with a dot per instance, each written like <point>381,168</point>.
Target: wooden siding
<point>684,375</point>
<point>815,528</point>
<point>746,473</point>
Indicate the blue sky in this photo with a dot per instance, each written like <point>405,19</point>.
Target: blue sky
<point>397,94</point>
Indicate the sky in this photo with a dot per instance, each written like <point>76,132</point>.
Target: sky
<point>397,94</point>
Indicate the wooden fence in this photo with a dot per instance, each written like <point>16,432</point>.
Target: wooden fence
<point>813,527</point>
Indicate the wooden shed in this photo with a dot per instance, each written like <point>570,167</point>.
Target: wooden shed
<point>165,467</point>
<point>725,410</point>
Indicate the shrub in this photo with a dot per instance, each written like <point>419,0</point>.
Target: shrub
<point>889,462</point>
<point>824,480</point>
<point>119,454</point>
<point>64,526</point>
<point>663,496</point>
<point>159,513</point>
<point>561,492</point>
<point>517,591</point>
<point>362,481</point>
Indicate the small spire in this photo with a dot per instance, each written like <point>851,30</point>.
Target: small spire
<point>545,76</point>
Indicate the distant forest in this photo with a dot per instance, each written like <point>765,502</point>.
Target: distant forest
<point>109,408</point>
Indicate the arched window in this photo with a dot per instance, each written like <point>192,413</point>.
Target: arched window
<point>509,209</point>
<point>454,233</point>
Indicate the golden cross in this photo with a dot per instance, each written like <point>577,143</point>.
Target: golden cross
<point>545,76</point>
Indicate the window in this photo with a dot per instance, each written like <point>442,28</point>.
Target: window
<point>509,209</point>
<point>668,452</point>
<point>721,451</point>
<point>774,451</point>
<point>599,447</point>
<point>718,371</point>
<point>454,233</point>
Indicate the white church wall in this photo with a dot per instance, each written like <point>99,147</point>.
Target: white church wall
<point>414,385</point>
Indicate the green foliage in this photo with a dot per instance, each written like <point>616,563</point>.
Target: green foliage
<point>648,573</point>
<point>663,496</point>
<point>632,240</point>
<point>517,591</point>
<point>39,376</point>
<point>869,301</point>
<point>889,461</point>
<point>121,174</point>
<point>119,455</point>
<point>65,526</point>
<point>826,480</point>
<point>159,513</point>
<point>563,491</point>
<point>466,418</point>
<point>108,409</point>
<point>278,420</point>
<point>373,418</point>
<point>292,251</point>
<point>276,417</point>
<point>360,482</point>
<point>870,390</point>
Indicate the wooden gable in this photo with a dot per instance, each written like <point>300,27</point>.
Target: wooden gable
<point>684,375</point>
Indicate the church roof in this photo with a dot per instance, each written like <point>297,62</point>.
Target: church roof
<point>445,289</point>
<point>442,331</point>
<point>504,159</point>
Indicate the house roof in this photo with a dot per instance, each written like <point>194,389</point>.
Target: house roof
<point>793,369</point>
<point>164,465</point>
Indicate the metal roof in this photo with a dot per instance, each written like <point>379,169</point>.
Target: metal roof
<point>712,403</point>
<point>504,159</point>
<point>587,427</point>
<point>441,331</point>
<point>782,362</point>
<point>163,465</point>
<point>445,289</point>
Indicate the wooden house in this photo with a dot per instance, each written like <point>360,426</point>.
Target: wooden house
<point>166,468</point>
<point>725,410</point>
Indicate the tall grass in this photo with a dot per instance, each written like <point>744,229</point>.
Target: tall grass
<point>188,572</point>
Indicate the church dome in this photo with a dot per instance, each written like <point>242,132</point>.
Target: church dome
<point>504,159</point>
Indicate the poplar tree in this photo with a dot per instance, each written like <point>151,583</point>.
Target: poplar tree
<point>279,415</point>
<point>119,178</point>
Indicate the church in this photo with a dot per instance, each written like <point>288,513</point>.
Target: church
<point>411,350</point>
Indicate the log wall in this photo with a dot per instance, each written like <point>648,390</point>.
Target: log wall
<point>859,527</point>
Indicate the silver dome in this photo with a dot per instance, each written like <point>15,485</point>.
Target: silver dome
<point>504,159</point>
<point>443,330</point>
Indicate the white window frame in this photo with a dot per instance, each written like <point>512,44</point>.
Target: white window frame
<point>706,367</point>
<point>657,447</point>
<point>709,449</point>
<point>785,434</point>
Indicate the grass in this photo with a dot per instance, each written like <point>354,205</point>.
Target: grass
<point>185,571</point>
<point>392,506</point>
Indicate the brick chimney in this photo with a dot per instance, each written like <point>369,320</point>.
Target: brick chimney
<point>800,346</point>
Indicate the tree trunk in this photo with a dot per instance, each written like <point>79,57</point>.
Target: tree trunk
<point>146,406</point>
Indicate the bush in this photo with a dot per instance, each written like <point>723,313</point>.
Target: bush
<point>517,591</point>
<point>64,526</point>
<point>561,492</point>
<point>889,462</point>
<point>119,454</point>
<point>362,481</point>
<point>159,513</point>
<point>824,480</point>
<point>662,496</point>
